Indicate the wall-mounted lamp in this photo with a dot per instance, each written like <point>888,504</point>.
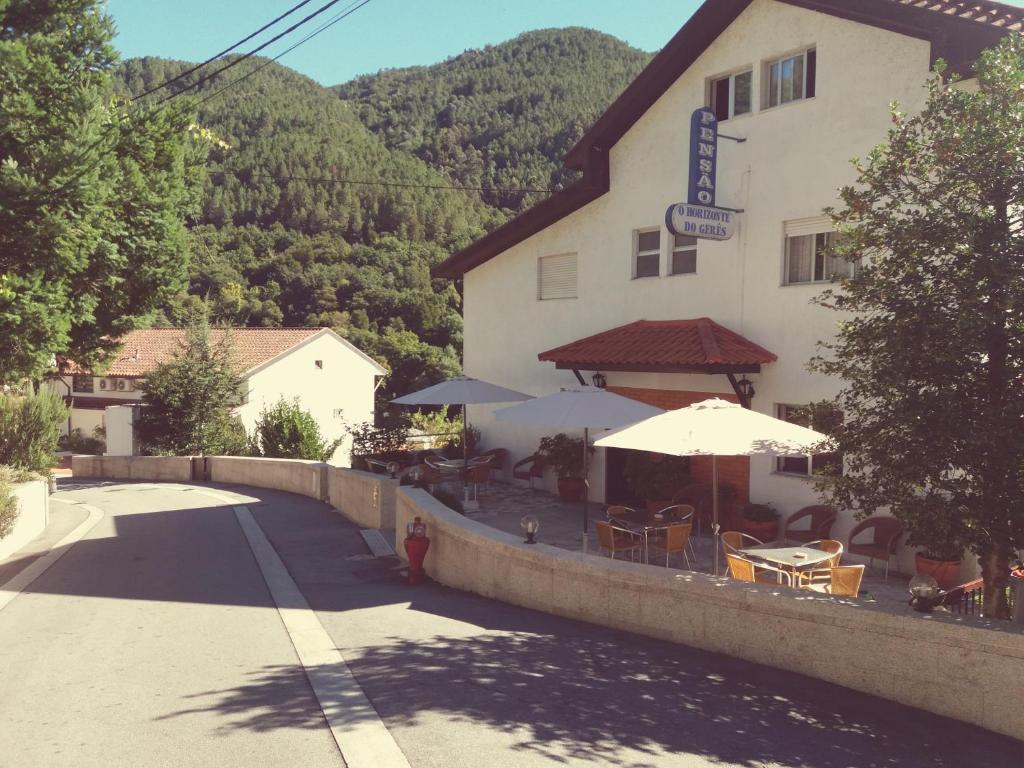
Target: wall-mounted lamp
<point>745,389</point>
<point>599,380</point>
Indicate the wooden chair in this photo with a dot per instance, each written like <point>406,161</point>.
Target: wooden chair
<point>674,539</point>
<point>529,468</point>
<point>614,539</point>
<point>844,580</point>
<point>886,533</point>
<point>822,517</point>
<point>742,569</point>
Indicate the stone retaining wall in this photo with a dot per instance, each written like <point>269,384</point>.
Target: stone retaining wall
<point>33,515</point>
<point>364,497</point>
<point>306,478</point>
<point>958,667</point>
<point>176,469</point>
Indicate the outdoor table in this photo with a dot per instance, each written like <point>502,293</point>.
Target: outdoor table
<point>787,557</point>
<point>646,523</point>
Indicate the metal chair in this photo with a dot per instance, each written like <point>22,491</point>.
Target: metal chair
<point>832,546</point>
<point>529,468</point>
<point>844,580</point>
<point>615,539</point>
<point>680,513</point>
<point>734,541</point>
<point>675,539</point>
<point>742,569</point>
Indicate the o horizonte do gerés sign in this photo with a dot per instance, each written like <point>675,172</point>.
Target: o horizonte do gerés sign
<point>699,217</point>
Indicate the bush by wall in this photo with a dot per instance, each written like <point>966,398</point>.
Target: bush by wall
<point>30,429</point>
<point>8,501</point>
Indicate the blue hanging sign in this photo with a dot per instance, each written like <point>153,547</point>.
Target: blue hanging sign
<point>703,157</point>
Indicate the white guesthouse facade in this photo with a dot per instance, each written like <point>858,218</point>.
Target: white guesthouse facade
<point>330,377</point>
<point>807,86</point>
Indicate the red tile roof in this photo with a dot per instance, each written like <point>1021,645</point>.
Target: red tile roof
<point>981,11</point>
<point>142,351</point>
<point>699,345</point>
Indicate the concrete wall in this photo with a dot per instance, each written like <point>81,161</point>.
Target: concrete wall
<point>794,160</point>
<point>33,515</point>
<point>365,498</point>
<point>960,668</point>
<point>176,469</point>
<point>306,478</point>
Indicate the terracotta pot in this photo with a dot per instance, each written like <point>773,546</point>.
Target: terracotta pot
<point>656,505</point>
<point>765,531</point>
<point>570,488</point>
<point>945,572</point>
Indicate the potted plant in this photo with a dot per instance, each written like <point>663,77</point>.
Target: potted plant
<point>564,454</point>
<point>941,551</point>
<point>760,521</point>
<point>656,477</point>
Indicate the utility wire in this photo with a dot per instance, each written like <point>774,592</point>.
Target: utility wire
<point>251,53</point>
<point>345,12</point>
<point>405,185</point>
<point>216,56</point>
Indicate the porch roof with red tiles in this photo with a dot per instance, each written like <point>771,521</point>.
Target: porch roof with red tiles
<point>663,346</point>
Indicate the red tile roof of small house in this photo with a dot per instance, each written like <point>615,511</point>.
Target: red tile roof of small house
<point>142,351</point>
<point>700,346</point>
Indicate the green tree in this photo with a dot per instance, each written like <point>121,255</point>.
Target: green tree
<point>931,341</point>
<point>287,431</point>
<point>30,429</point>
<point>188,401</point>
<point>92,196</point>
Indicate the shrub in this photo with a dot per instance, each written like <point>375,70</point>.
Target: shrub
<point>8,501</point>
<point>389,440</point>
<point>760,513</point>
<point>30,429</point>
<point>564,454</point>
<point>77,442</point>
<point>287,431</point>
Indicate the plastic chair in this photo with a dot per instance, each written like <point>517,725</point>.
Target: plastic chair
<point>844,580</point>
<point>615,539</point>
<point>886,533</point>
<point>822,517</point>
<point>675,539</point>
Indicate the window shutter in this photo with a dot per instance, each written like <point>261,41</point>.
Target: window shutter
<point>556,277</point>
<point>812,225</point>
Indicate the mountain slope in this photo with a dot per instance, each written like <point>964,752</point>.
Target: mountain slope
<point>287,135</point>
<point>501,117</point>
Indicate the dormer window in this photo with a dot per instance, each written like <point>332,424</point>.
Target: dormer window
<point>791,78</point>
<point>731,95</point>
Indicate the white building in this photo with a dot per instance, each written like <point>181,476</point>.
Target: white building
<point>806,84</point>
<point>331,378</point>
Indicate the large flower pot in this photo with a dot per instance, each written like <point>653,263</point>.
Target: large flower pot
<point>765,531</point>
<point>945,572</point>
<point>570,488</point>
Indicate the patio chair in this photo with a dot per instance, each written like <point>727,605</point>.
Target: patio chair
<point>681,513</point>
<point>498,458</point>
<point>529,468</point>
<point>886,533</point>
<point>742,569</point>
<point>822,517</point>
<point>835,548</point>
<point>614,539</point>
<point>844,580</point>
<point>734,541</point>
<point>675,538</point>
<point>477,475</point>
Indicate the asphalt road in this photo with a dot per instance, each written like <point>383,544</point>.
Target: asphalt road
<point>155,642</point>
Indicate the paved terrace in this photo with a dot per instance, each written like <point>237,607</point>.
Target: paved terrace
<point>503,505</point>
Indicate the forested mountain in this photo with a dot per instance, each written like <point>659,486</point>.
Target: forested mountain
<point>284,235</point>
<point>500,118</point>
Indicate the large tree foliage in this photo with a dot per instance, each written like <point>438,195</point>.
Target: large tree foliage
<point>189,400</point>
<point>92,197</point>
<point>931,344</point>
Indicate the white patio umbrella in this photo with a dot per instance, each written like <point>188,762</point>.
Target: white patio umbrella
<point>462,390</point>
<point>715,428</point>
<point>583,408</point>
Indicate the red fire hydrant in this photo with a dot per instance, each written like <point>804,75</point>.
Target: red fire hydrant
<point>416,546</point>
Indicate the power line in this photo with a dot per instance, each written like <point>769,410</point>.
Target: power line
<point>251,53</point>
<point>345,12</point>
<point>213,58</point>
<point>400,184</point>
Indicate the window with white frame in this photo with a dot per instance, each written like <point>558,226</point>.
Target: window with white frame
<point>646,253</point>
<point>556,277</point>
<point>822,417</point>
<point>809,256</point>
<point>732,95</point>
<point>684,255</point>
<point>791,78</point>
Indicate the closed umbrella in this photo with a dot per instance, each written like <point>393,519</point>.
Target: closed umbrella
<point>715,428</point>
<point>462,390</point>
<point>583,408</point>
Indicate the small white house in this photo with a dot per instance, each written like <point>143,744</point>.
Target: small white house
<point>331,378</point>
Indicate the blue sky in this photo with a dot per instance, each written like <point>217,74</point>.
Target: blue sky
<point>386,33</point>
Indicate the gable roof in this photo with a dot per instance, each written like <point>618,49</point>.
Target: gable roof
<point>958,31</point>
<point>663,346</point>
<point>254,348</point>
